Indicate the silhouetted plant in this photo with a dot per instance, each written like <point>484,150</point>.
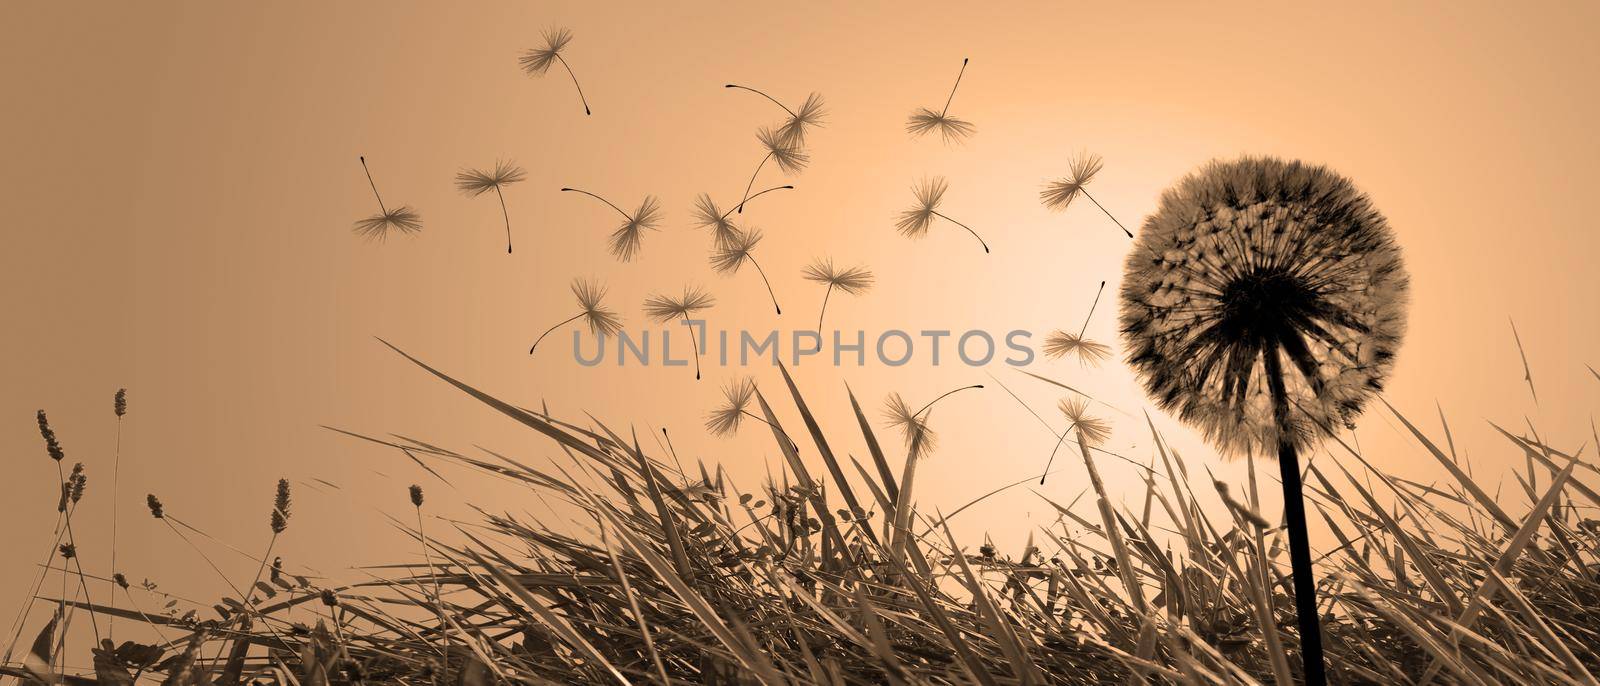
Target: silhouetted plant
<point>377,227</point>
<point>1062,343</point>
<point>788,156</point>
<point>476,182</point>
<point>920,441</point>
<point>538,60</point>
<point>851,281</point>
<point>1059,194</point>
<point>950,128</point>
<point>601,321</point>
<point>1245,267</point>
<point>809,115</point>
<point>737,394</point>
<point>739,249</point>
<point>914,223</point>
<point>665,308</point>
<point>628,237</point>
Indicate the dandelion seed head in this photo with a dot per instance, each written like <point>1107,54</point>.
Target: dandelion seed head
<point>398,220</point>
<point>628,238</point>
<point>708,216</point>
<point>912,425</point>
<point>914,223</point>
<point>737,394</point>
<point>665,308</point>
<point>854,280</point>
<point>601,321</point>
<point>951,129</point>
<point>476,182</point>
<point>810,115</point>
<point>1262,257</point>
<point>1059,194</point>
<point>538,60</point>
<point>1065,343</point>
<point>788,156</point>
<point>1093,430</point>
<point>728,258</point>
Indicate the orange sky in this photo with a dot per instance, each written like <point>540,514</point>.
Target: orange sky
<point>180,181</point>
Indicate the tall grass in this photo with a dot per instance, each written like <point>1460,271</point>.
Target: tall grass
<point>687,578</point>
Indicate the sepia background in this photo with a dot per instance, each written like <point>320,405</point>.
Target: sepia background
<point>180,179</point>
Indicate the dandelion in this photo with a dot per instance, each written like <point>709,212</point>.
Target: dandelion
<point>663,309</point>
<point>1058,194</point>
<point>1089,353</point>
<point>852,281</point>
<point>1090,431</point>
<point>627,239</point>
<point>601,321</point>
<point>537,61</point>
<point>789,158</point>
<point>1248,267</point>
<point>476,182</point>
<point>950,128</point>
<point>920,441</point>
<point>914,223</point>
<point>376,227</point>
<point>740,249</point>
<point>725,420</point>
<point>793,131</point>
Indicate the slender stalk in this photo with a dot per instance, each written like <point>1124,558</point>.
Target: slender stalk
<point>553,328</point>
<point>764,95</point>
<point>764,280</point>
<point>1092,305</point>
<point>696,345</point>
<point>753,197</point>
<point>438,602</point>
<point>953,88</point>
<point>577,85</point>
<point>824,310</point>
<point>902,506</point>
<point>1294,513</point>
<point>633,603</point>
<point>370,182</point>
<point>74,561</point>
<point>968,228</point>
<point>752,183</point>
<point>1130,580</point>
<point>1047,463</point>
<point>625,215</point>
<point>116,473</point>
<point>505,214</point>
<point>1107,212</point>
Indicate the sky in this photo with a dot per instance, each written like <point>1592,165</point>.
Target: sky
<point>180,182</point>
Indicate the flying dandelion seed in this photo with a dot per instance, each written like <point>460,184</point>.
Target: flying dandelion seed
<point>725,420</point>
<point>1089,353</point>
<point>537,61</point>
<point>950,128</point>
<point>629,236</point>
<point>789,158</point>
<point>601,321</point>
<point>810,115</point>
<point>1248,267</point>
<point>1058,194</point>
<point>662,309</point>
<point>377,227</point>
<point>914,223</point>
<point>723,230</point>
<point>738,250</point>
<point>476,182</point>
<point>852,281</point>
<point>920,441</point>
<point>1090,431</point>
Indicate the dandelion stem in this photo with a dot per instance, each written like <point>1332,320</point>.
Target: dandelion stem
<point>553,328</point>
<point>764,95</point>
<point>575,84</point>
<point>946,394</point>
<point>1294,513</point>
<point>752,182</point>
<point>1047,463</point>
<point>506,214</point>
<point>1093,305</point>
<point>968,228</point>
<point>696,345</point>
<point>753,197</point>
<point>370,182</point>
<point>764,280</point>
<point>824,310</point>
<point>625,215</point>
<point>953,88</point>
<point>1107,212</point>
